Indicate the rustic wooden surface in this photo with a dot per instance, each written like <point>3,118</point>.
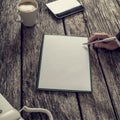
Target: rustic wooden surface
<point>10,53</point>
<point>19,57</point>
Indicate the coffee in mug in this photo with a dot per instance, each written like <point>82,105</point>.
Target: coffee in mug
<point>27,7</point>
<point>28,11</point>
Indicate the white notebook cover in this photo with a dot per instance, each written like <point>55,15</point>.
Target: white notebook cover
<point>63,8</point>
<point>60,6</point>
<point>64,64</point>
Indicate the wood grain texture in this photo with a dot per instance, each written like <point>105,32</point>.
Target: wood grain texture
<point>10,53</point>
<point>110,60</point>
<point>19,58</point>
<point>98,104</point>
<point>105,18</point>
<point>63,105</point>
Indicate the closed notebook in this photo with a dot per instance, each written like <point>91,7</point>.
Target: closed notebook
<point>64,64</point>
<point>63,8</point>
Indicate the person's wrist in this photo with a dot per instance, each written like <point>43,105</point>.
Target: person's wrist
<point>118,42</point>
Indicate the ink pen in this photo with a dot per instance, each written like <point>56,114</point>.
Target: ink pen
<point>104,40</point>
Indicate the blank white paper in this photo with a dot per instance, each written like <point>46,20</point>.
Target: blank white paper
<point>65,64</point>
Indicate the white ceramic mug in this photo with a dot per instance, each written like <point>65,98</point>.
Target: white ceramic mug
<point>28,11</point>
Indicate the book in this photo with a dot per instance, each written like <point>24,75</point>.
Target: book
<point>64,64</point>
<point>63,8</point>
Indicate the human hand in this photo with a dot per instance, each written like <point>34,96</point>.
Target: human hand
<point>112,45</point>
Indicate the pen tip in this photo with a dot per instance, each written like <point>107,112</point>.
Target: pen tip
<point>85,43</point>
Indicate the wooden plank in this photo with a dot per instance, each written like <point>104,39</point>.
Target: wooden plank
<point>103,19</point>
<point>10,53</point>
<point>111,65</point>
<point>98,104</point>
<point>63,105</point>
<point>109,60</point>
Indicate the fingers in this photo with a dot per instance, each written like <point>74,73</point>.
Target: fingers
<point>97,36</point>
<point>102,45</point>
<point>110,46</point>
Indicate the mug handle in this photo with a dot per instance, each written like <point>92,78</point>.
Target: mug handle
<point>18,19</point>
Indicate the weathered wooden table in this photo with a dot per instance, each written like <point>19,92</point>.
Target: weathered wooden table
<point>19,57</point>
